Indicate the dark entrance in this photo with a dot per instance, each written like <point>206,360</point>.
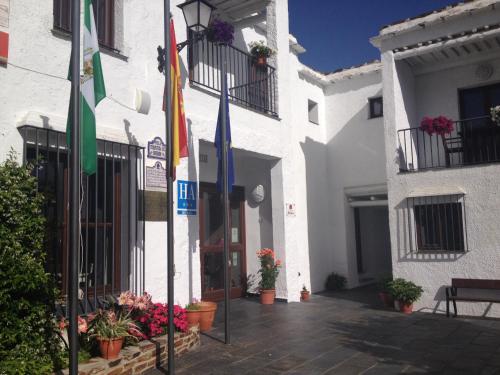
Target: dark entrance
<point>481,137</point>
<point>212,242</point>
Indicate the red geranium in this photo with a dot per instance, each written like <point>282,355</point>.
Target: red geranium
<point>154,320</point>
<point>440,125</point>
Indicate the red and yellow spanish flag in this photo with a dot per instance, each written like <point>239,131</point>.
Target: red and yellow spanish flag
<point>179,140</point>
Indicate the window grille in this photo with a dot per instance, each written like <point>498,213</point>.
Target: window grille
<point>437,223</point>
<point>111,257</point>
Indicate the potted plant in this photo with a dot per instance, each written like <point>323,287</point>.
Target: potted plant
<point>269,270</point>
<point>220,32</point>
<point>495,114</point>
<point>207,315</point>
<point>261,52</point>
<point>335,282</point>
<point>110,328</point>
<point>193,313</point>
<point>385,294</point>
<point>405,293</point>
<point>440,125</point>
<point>304,294</point>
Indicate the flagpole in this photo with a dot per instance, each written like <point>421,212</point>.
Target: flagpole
<point>225,196</point>
<point>74,204</point>
<point>170,195</point>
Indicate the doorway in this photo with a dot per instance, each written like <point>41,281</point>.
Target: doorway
<point>373,249</point>
<point>212,243</point>
<point>480,136</point>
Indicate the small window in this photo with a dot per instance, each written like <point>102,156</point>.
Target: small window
<point>104,12</point>
<point>313,111</point>
<point>376,107</point>
<point>439,223</point>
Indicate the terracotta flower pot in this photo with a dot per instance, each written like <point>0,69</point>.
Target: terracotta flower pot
<point>261,60</point>
<point>267,296</point>
<point>304,296</point>
<point>110,349</point>
<point>405,308</point>
<point>386,299</point>
<point>207,315</point>
<point>193,317</point>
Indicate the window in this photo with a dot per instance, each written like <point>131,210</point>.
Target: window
<point>376,107</point>
<point>439,223</point>
<point>110,255</point>
<point>313,111</point>
<point>103,14</point>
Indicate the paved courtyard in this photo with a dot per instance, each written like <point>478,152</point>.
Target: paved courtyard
<point>344,333</point>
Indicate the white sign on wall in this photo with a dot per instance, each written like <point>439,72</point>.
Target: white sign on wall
<point>290,209</point>
<point>4,13</point>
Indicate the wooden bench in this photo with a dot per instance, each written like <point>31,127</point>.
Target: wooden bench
<point>452,292</point>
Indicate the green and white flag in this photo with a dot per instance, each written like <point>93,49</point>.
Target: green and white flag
<point>92,92</point>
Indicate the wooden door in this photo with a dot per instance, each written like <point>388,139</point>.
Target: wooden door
<point>212,243</point>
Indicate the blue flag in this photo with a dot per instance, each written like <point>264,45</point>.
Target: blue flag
<point>220,150</point>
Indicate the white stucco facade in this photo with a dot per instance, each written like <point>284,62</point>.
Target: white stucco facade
<point>420,81</point>
<point>340,172</point>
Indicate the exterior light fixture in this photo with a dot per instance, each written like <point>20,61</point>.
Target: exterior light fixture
<point>197,14</point>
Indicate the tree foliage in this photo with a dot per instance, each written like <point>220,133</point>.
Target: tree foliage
<point>28,340</point>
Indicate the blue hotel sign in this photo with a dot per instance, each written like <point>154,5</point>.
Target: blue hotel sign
<point>186,197</point>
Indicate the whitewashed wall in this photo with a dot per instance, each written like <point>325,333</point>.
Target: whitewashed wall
<point>355,158</point>
<point>35,47</point>
<point>431,91</point>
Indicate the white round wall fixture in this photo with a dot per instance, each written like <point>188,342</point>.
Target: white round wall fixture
<point>142,101</point>
<point>484,72</point>
<point>258,194</point>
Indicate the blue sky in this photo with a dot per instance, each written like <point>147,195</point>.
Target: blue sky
<point>336,33</point>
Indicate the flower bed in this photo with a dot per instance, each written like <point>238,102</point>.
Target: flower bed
<point>134,322</point>
<point>142,357</point>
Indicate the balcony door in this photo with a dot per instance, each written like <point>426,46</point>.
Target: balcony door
<point>212,243</point>
<point>481,137</point>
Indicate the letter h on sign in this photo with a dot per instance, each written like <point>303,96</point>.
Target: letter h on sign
<point>186,197</point>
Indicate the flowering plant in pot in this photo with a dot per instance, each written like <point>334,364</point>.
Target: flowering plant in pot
<point>154,320</point>
<point>405,293</point>
<point>384,293</point>
<point>220,32</point>
<point>193,312</point>
<point>495,114</point>
<point>110,327</point>
<point>440,125</point>
<point>304,294</point>
<point>151,318</point>
<point>269,271</point>
<point>260,51</point>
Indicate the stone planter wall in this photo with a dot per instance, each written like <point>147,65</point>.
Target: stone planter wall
<point>144,356</point>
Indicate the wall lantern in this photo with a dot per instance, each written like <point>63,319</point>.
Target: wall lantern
<point>258,194</point>
<point>197,14</point>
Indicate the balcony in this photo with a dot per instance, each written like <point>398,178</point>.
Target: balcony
<point>472,141</point>
<point>250,84</point>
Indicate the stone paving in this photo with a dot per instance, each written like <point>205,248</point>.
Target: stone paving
<point>344,333</point>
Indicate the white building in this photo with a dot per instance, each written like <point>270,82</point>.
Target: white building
<point>323,147</point>
<point>443,191</point>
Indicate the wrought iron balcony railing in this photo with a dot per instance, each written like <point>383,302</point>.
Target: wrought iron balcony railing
<point>250,84</point>
<point>472,141</point>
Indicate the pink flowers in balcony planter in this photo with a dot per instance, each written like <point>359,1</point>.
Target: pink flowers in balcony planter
<point>440,125</point>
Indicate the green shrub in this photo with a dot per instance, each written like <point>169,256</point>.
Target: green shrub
<point>28,340</point>
<point>405,291</point>
<point>335,282</point>
<point>384,284</point>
